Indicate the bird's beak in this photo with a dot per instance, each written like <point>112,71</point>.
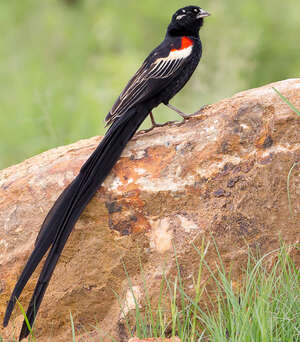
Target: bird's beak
<point>202,14</point>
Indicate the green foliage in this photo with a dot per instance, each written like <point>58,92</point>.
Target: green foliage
<point>72,327</point>
<point>283,98</point>
<point>31,335</point>
<point>264,306</point>
<point>62,66</point>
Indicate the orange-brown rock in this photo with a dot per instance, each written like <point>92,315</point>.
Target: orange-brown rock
<point>222,173</point>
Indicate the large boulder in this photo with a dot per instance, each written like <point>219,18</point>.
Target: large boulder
<point>221,174</point>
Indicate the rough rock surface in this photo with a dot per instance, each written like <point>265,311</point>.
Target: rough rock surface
<point>222,173</point>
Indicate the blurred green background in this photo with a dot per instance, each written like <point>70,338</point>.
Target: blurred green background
<point>64,62</point>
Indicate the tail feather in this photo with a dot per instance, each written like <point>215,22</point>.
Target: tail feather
<point>62,217</point>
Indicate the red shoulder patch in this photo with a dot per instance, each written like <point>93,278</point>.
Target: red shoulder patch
<point>185,43</point>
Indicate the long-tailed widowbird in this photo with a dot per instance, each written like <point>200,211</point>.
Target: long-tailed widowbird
<point>164,72</point>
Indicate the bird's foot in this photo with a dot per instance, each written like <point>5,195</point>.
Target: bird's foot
<point>157,125</point>
<point>183,115</point>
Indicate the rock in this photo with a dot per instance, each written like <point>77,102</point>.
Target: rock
<point>221,174</point>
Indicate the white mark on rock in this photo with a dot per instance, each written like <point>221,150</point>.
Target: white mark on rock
<point>140,171</point>
<point>115,183</point>
<point>161,235</point>
<point>188,225</point>
<point>140,154</point>
<point>244,126</point>
<point>280,148</point>
<point>217,166</point>
<point>210,129</point>
<point>178,171</point>
<point>58,178</point>
<point>3,243</point>
<point>170,183</point>
<point>133,297</point>
<point>11,220</point>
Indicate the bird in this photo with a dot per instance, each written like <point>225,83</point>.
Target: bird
<point>162,75</point>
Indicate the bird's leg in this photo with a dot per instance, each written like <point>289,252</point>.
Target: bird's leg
<point>155,124</point>
<point>185,116</point>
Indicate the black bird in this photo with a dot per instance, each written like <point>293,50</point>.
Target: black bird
<point>164,72</point>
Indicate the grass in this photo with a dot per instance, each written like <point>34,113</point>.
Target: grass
<point>264,306</point>
<point>72,327</point>
<point>284,99</point>
<point>31,335</point>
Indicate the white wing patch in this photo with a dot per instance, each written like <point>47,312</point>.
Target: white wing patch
<point>177,54</point>
<point>161,68</point>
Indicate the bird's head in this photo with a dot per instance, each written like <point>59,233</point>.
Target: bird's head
<point>187,21</point>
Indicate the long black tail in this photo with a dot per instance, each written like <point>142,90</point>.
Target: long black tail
<point>65,212</point>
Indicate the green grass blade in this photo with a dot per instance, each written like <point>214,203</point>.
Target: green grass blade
<point>287,101</point>
<point>73,328</point>
<point>26,320</point>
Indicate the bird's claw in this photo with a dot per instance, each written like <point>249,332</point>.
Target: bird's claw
<point>157,125</point>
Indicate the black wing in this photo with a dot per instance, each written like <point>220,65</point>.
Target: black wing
<point>162,64</point>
